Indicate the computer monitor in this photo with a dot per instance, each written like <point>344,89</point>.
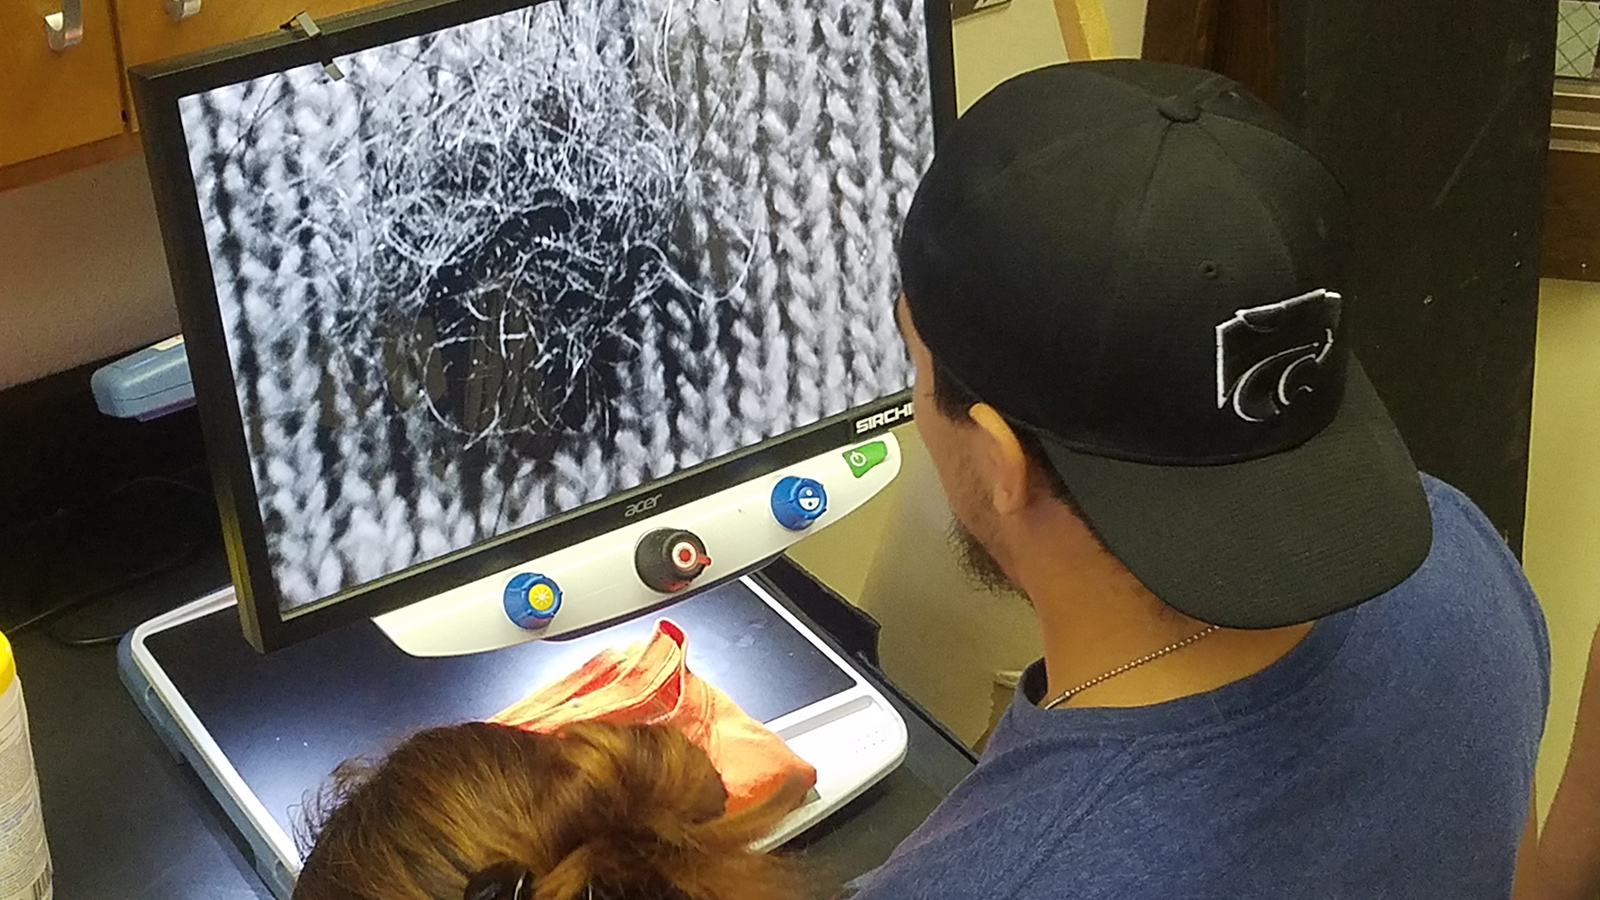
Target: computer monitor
<point>464,283</point>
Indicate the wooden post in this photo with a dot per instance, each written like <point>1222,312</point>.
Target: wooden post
<point>1180,31</point>
<point>1238,38</point>
<point>1084,29</point>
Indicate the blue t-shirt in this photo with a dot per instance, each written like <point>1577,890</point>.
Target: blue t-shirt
<point>1389,754</point>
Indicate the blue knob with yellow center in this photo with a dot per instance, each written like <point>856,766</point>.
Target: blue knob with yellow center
<point>532,600</point>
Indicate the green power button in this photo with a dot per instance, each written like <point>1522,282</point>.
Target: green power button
<point>863,458</point>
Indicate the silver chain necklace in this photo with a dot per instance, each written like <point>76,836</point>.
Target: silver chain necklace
<point>1070,692</point>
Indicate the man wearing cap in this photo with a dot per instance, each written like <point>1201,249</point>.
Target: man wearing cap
<point>1277,661</point>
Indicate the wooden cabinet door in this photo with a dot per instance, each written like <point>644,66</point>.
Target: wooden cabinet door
<point>55,99</point>
<point>149,34</point>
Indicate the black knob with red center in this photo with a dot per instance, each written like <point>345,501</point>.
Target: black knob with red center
<point>668,559</point>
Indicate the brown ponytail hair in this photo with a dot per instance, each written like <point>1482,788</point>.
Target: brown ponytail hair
<point>593,810</point>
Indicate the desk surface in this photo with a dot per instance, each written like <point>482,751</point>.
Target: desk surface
<point>126,819</point>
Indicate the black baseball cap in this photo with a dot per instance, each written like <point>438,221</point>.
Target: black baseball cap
<point>1142,265</point>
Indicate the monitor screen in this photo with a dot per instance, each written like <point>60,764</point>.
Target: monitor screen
<point>473,278</point>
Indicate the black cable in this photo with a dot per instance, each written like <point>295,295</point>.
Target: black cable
<point>163,480</point>
<point>52,617</point>
<point>13,534</point>
<point>99,640</point>
<point>88,597</point>
<point>52,627</point>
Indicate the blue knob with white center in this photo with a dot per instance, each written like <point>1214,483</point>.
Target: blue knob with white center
<point>531,601</point>
<point>797,502</point>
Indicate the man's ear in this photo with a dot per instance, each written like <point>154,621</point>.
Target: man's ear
<point>1003,457</point>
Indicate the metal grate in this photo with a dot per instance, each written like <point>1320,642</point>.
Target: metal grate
<point>1577,38</point>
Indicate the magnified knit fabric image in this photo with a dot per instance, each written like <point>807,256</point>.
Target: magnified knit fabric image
<point>500,271</point>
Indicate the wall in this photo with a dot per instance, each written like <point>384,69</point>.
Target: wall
<point>944,641</point>
<point>842,555</point>
<point>1561,542</point>
<point>1126,20</point>
<point>82,274</point>
<point>994,45</point>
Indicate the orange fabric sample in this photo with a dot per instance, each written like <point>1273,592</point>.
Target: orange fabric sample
<point>650,684</point>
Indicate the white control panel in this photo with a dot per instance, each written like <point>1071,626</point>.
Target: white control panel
<point>648,560</point>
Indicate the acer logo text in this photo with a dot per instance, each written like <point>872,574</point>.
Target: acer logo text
<point>642,506</point>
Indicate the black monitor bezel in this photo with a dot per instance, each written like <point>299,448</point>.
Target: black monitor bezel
<point>156,90</point>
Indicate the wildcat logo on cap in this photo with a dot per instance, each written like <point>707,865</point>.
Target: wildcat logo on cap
<point>1268,356</point>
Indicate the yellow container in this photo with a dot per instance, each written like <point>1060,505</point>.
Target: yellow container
<point>24,855</point>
